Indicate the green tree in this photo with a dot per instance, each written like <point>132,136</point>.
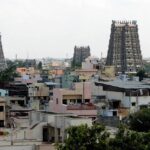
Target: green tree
<point>8,74</point>
<point>85,138</point>
<point>96,138</point>
<point>39,66</point>
<point>140,121</point>
<point>130,140</point>
<point>141,74</point>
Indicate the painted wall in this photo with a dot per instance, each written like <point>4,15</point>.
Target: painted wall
<point>114,95</point>
<point>3,92</point>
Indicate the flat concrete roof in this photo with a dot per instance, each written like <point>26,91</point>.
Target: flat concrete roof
<point>125,84</point>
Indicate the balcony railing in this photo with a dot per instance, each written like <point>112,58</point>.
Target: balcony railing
<point>81,107</point>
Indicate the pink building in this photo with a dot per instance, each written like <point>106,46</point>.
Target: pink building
<point>76,101</point>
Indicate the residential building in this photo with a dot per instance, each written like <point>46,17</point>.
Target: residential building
<point>77,101</point>
<point>17,89</point>
<point>120,98</point>
<point>56,71</point>
<point>50,127</point>
<point>27,71</point>
<point>85,74</point>
<point>28,79</point>
<point>91,63</point>
<point>38,96</point>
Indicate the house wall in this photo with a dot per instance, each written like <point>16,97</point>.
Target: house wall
<point>139,100</point>
<point>80,88</point>
<point>3,113</point>
<point>108,112</point>
<point>34,104</point>
<point>126,102</point>
<point>84,88</point>
<point>57,97</point>
<point>56,72</point>
<point>81,112</point>
<point>114,95</point>
<point>97,90</point>
<point>79,121</point>
<point>87,65</point>
<point>38,90</point>
<point>3,92</point>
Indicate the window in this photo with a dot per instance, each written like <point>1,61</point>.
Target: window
<point>1,123</point>
<point>79,101</point>
<point>114,113</point>
<point>65,101</point>
<point>1,108</point>
<point>133,103</point>
<point>87,100</point>
<point>56,100</point>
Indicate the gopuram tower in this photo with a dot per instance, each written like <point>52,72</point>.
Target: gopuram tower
<point>2,59</point>
<point>124,51</point>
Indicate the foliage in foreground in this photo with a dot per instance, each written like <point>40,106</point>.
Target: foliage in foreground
<point>96,138</point>
<point>140,121</point>
<point>8,74</point>
<point>85,138</point>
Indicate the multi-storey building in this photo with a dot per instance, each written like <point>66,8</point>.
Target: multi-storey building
<point>76,101</point>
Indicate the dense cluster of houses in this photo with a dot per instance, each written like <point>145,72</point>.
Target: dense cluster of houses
<point>40,104</point>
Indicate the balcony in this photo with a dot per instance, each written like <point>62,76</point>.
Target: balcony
<point>88,106</point>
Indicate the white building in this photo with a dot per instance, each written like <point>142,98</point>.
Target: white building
<point>119,98</point>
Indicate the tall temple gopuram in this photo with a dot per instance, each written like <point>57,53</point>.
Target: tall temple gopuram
<point>2,59</point>
<point>124,50</point>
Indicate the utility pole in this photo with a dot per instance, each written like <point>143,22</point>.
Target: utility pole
<point>11,136</point>
<point>63,128</point>
<point>56,130</point>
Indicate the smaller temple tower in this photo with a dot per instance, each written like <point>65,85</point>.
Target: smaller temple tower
<point>2,59</point>
<point>80,54</point>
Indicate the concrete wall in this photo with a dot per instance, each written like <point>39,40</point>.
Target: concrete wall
<point>84,88</point>
<point>139,100</point>
<point>109,121</point>
<point>114,95</point>
<point>78,121</point>
<point>18,147</point>
<point>97,90</point>
<point>38,89</point>
<point>87,65</point>
<point>126,102</point>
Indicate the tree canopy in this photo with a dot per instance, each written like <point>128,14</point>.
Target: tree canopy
<point>141,74</point>
<point>85,138</point>
<point>96,138</point>
<point>8,74</point>
<point>140,121</point>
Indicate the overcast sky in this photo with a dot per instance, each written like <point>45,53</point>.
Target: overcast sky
<point>51,28</point>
